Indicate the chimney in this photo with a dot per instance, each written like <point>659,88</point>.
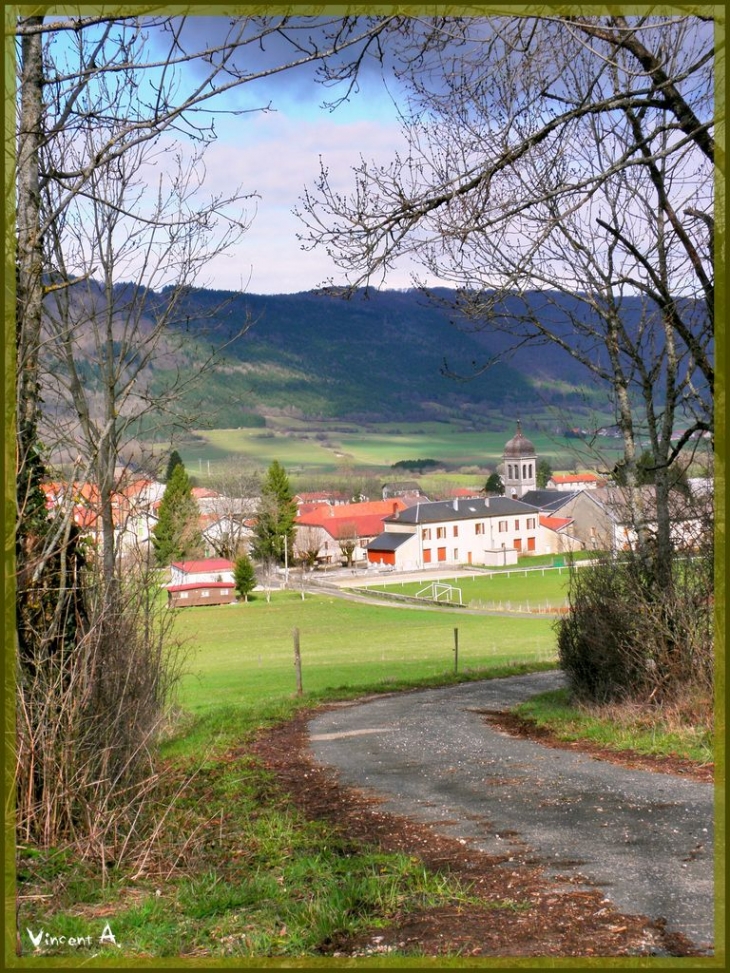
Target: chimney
<point>456,503</point>
<point>395,509</point>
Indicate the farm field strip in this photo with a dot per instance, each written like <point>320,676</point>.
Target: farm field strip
<point>323,450</point>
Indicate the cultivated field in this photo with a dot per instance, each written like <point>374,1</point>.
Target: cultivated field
<point>243,654</point>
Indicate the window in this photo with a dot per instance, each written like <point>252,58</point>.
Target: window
<point>182,594</point>
<point>478,528</point>
<point>530,523</point>
<point>530,543</point>
<point>456,530</point>
<point>427,556</point>
<point>441,553</point>
<point>456,553</point>
<point>426,534</point>
<point>503,527</point>
<point>440,532</point>
<point>205,593</point>
<point>517,524</point>
<point>518,544</point>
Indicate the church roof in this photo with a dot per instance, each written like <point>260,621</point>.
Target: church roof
<point>519,445</point>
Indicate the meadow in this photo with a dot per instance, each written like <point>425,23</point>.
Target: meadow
<point>243,654</point>
<point>337,447</point>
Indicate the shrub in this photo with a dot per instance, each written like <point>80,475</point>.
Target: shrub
<point>626,639</point>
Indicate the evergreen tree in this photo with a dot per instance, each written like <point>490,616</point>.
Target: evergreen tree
<point>244,576</point>
<point>177,533</point>
<point>494,484</point>
<point>172,462</point>
<point>276,516</point>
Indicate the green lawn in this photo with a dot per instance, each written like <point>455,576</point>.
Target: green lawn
<point>243,654</point>
<point>518,589</point>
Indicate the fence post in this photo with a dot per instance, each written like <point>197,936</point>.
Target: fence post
<point>297,661</point>
<point>456,651</point>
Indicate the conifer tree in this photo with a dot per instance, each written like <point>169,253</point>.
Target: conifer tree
<point>172,462</point>
<point>244,576</point>
<point>275,520</point>
<point>177,533</point>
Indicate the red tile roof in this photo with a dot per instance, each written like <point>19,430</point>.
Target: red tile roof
<point>206,564</point>
<point>365,518</point>
<point>555,523</point>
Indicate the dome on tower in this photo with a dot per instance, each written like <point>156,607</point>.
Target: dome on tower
<point>519,446</point>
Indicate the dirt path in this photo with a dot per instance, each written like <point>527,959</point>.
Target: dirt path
<point>608,871</point>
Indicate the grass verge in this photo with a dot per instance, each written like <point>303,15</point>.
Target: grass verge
<point>658,731</point>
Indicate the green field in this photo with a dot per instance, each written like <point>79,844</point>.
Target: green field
<point>519,589</point>
<point>243,654</point>
<point>337,447</point>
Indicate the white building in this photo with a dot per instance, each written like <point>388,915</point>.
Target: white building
<point>481,531</point>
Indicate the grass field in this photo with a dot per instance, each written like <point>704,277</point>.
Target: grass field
<point>329,448</point>
<point>243,654</point>
<point>524,590</point>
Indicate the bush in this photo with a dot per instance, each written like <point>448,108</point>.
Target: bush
<point>625,639</point>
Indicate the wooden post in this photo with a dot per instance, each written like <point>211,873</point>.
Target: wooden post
<point>297,661</point>
<point>456,650</point>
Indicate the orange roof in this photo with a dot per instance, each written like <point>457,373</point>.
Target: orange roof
<point>555,523</point>
<point>206,564</point>
<point>365,518</point>
<point>575,478</point>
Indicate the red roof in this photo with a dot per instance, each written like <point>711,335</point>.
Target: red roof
<point>205,565</point>
<point>191,585</point>
<point>365,518</point>
<point>575,478</point>
<point>555,523</point>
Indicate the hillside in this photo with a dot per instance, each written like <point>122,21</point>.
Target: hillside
<point>379,357</point>
<point>389,355</point>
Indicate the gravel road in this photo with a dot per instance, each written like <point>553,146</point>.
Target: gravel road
<point>644,838</point>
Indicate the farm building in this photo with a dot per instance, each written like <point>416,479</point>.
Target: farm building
<point>204,582</point>
<point>344,530</point>
<point>200,593</point>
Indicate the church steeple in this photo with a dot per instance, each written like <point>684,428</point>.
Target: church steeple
<point>520,465</point>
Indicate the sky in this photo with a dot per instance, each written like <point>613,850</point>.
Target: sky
<point>275,154</point>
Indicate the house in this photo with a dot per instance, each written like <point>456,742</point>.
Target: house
<point>317,498</point>
<point>208,581</point>
<point>478,530</point>
<point>405,489</point>
<point>604,518</point>
<point>556,535</point>
<point>333,531</point>
<point>570,482</point>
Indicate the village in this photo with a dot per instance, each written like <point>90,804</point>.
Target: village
<point>402,531</point>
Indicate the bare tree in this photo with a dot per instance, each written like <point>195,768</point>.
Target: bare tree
<point>234,507</point>
<point>97,96</point>
<point>347,539</point>
<point>307,544</point>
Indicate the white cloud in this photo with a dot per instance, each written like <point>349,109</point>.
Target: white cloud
<point>276,155</point>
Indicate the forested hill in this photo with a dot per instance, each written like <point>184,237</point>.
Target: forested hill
<point>388,355</point>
